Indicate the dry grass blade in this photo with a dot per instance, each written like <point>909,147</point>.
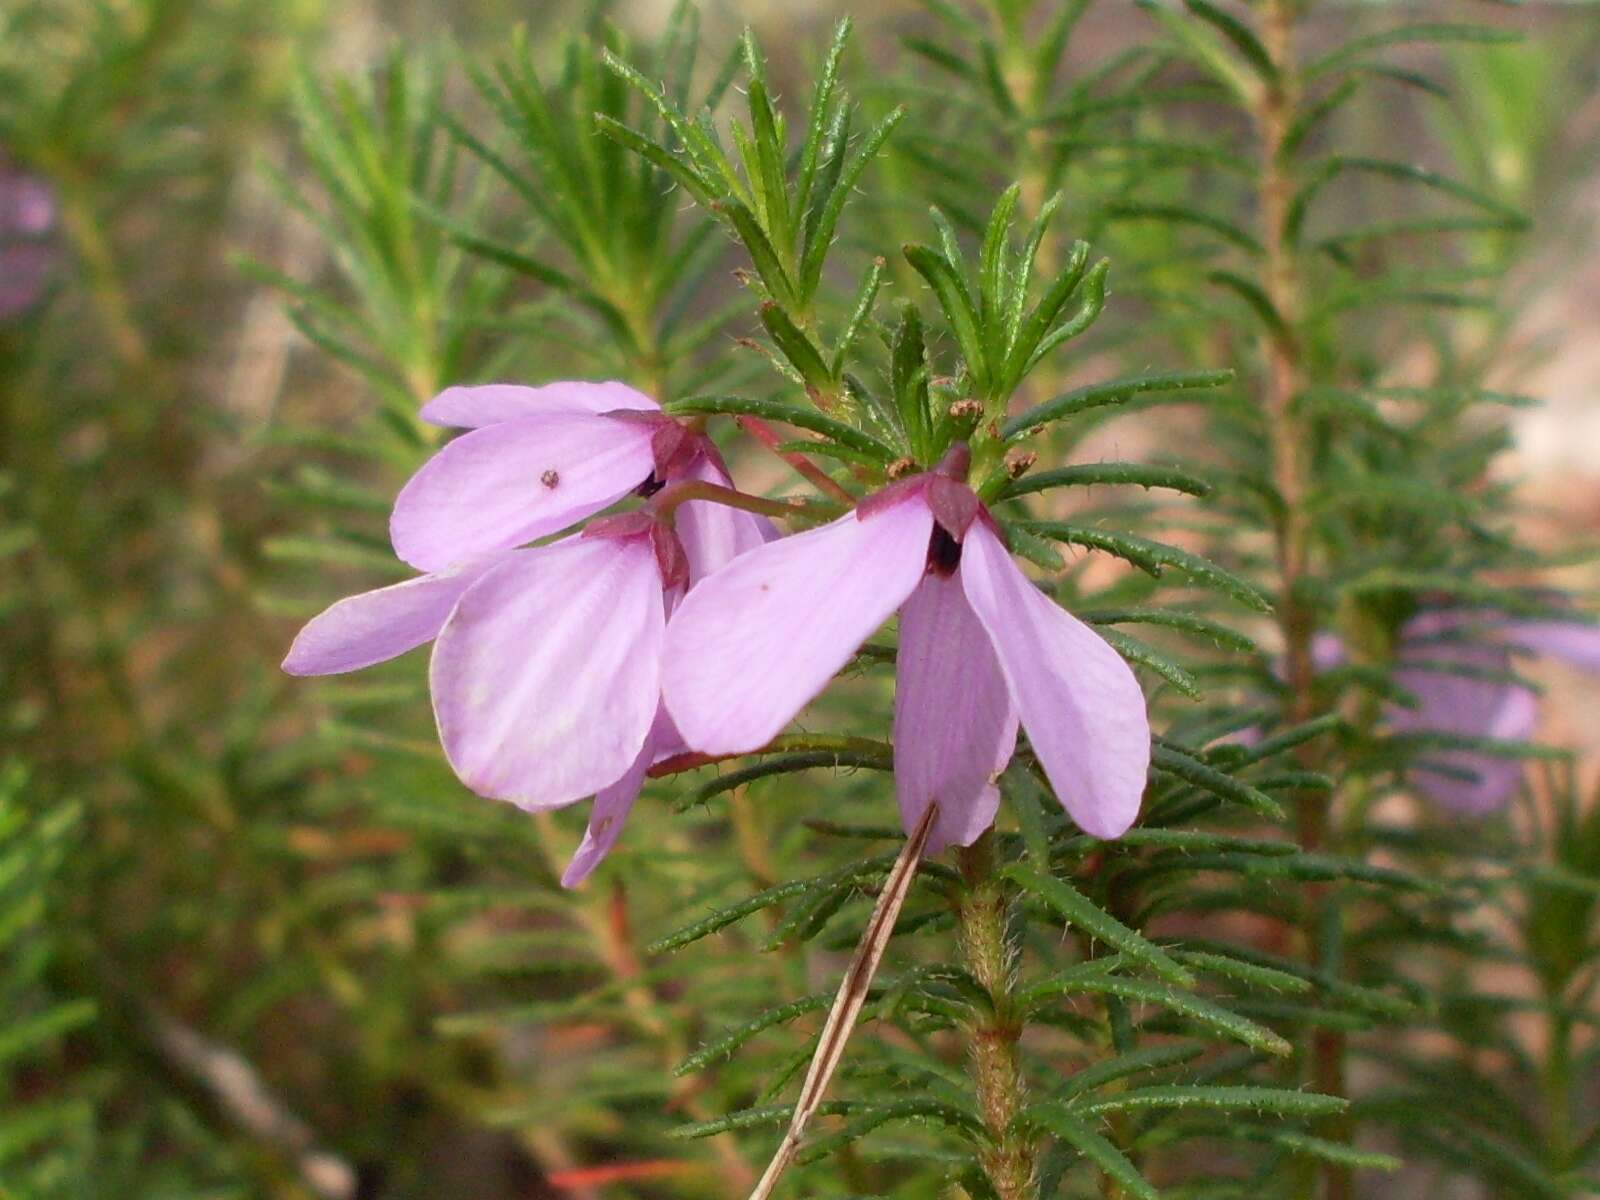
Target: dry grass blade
<point>847,1004</point>
<point>239,1088</point>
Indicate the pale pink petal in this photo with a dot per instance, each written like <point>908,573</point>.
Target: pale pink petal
<point>612,804</point>
<point>713,535</point>
<point>1250,735</point>
<point>27,204</point>
<point>1451,679</point>
<point>25,269</point>
<point>34,208</point>
<point>665,739</point>
<point>1473,783</point>
<point>1080,703</point>
<point>1447,661</point>
<point>501,486</point>
<point>1327,651</point>
<point>547,675</point>
<point>1574,642</point>
<point>751,645</point>
<point>492,403</point>
<point>954,724</point>
<point>368,628</point>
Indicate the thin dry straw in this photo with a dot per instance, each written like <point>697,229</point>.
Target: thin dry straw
<point>847,1004</point>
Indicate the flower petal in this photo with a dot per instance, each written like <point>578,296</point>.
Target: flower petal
<point>507,484</point>
<point>612,804</point>
<point>24,273</point>
<point>1327,652</point>
<point>665,738</point>
<point>1080,703</point>
<point>1575,642</point>
<point>955,727</point>
<point>713,535</point>
<point>492,403</point>
<point>1476,784</point>
<point>751,645</point>
<point>1453,684</point>
<point>1473,785</point>
<point>547,675</point>
<point>1448,660</point>
<point>372,626</point>
<point>27,204</point>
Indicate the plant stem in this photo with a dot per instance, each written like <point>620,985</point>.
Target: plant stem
<point>1273,113</point>
<point>668,499</point>
<point>980,910</point>
<point>105,284</point>
<point>1557,1084</point>
<point>763,433</point>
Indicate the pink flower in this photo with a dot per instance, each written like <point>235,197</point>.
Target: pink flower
<point>980,649</point>
<point>1456,662</point>
<point>1457,665</point>
<point>27,219</point>
<point>537,460</point>
<point>546,662</point>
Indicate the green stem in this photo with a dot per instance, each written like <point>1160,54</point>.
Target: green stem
<point>1557,1085</point>
<point>104,280</point>
<point>980,907</point>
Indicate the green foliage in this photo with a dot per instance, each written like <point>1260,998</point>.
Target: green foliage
<point>1000,336</point>
<point>380,162</point>
<point>39,1137</point>
<point>627,263</point>
<point>784,209</point>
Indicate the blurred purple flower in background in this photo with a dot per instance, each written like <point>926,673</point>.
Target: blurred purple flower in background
<point>27,253</point>
<point>547,661</point>
<point>981,649</point>
<point>1459,665</point>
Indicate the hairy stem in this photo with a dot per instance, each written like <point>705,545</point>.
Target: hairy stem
<point>1009,1159</point>
<point>1274,114</point>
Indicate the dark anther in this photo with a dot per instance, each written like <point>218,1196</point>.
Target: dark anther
<point>650,486</point>
<point>944,552</point>
<point>550,478</point>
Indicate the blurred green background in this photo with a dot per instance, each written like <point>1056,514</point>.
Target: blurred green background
<point>248,927</point>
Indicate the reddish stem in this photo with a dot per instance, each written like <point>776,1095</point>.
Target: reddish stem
<point>763,433</point>
<point>668,498</point>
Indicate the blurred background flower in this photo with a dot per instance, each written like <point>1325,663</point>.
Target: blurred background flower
<point>27,253</point>
<point>1462,670</point>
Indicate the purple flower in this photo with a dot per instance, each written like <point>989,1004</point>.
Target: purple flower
<point>1458,664</point>
<point>537,460</point>
<point>27,219</point>
<point>980,649</point>
<point>546,663</point>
